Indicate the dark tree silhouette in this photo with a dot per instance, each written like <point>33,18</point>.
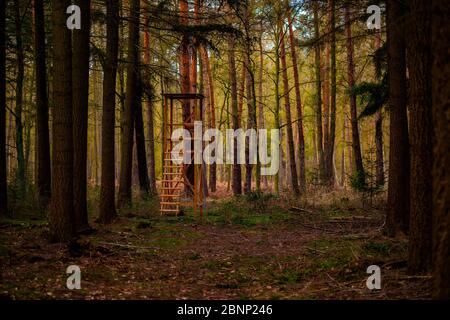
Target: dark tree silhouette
<point>61,220</point>
<point>107,190</point>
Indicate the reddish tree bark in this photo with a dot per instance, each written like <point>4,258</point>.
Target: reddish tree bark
<point>359,168</point>
<point>290,135</point>
<point>212,111</point>
<point>185,80</point>
<point>298,100</point>
<point>236,181</point>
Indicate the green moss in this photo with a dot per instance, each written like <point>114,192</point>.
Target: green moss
<point>168,243</point>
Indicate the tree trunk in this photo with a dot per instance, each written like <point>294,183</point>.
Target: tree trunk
<point>329,163</point>
<point>132,99</point>
<point>80,75</point>
<point>42,127</point>
<point>421,137</point>
<point>236,183</point>
<point>344,145</point>
<point>107,190</point>
<point>277,106</point>
<point>290,135</point>
<point>319,131</point>
<point>150,116</point>
<point>61,219</point>
<point>326,100</point>
<point>241,94</point>
<point>359,175</point>
<point>441,123</point>
<point>144,182</point>
<point>261,118</point>
<point>398,193</point>
<point>20,175</point>
<point>250,125</point>
<point>185,83</point>
<point>379,162</point>
<point>212,111</point>
<point>298,100</point>
<point>3,186</point>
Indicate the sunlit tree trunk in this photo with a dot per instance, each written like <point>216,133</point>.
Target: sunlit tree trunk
<point>290,135</point>
<point>241,94</point>
<point>359,174</point>
<point>277,105</point>
<point>261,118</point>
<point>236,181</point>
<point>212,110</point>
<point>318,111</point>
<point>298,101</point>
<point>185,78</point>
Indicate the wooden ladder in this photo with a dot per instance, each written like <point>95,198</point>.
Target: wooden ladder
<point>172,184</point>
<point>175,185</point>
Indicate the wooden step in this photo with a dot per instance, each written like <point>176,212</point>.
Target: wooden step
<point>170,195</point>
<point>177,203</point>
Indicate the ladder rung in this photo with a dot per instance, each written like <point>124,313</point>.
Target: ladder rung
<point>170,210</point>
<point>177,203</point>
<point>170,195</point>
<point>172,173</point>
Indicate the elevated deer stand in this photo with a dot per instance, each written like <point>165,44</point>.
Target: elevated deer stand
<point>182,184</point>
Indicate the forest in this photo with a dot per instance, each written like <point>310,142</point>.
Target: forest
<point>319,169</point>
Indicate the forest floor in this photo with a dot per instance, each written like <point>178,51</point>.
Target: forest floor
<point>256,247</point>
